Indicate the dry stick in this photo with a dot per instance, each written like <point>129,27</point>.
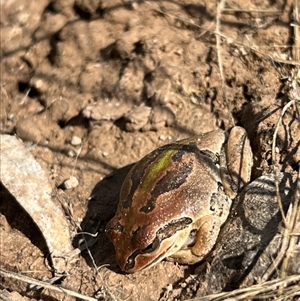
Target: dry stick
<point>274,158</point>
<point>295,221</point>
<point>296,32</point>
<point>281,254</point>
<point>220,7</point>
<point>246,10</point>
<point>106,286</point>
<point>295,217</point>
<point>253,290</point>
<point>97,269</point>
<point>287,228</point>
<point>52,287</point>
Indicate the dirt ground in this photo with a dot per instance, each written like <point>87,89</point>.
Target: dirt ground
<point>91,86</point>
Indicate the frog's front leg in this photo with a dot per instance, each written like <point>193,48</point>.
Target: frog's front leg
<point>236,161</point>
<point>206,231</point>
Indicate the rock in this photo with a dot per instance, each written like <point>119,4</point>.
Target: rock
<point>75,141</point>
<point>72,182</point>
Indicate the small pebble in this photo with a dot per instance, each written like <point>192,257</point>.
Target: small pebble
<point>104,154</point>
<point>76,140</point>
<point>134,5</point>
<point>11,117</point>
<point>194,100</point>
<point>179,51</point>
<point>71,153</point>
<point>72,182</point>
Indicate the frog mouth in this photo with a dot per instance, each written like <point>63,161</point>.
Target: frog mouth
<point>163,240</point>
<point>131,262</point>
<point>159,258</point>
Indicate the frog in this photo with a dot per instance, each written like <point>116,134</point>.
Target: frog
<point>175,200</point>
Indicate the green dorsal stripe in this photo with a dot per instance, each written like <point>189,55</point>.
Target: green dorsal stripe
<point>159,164</point>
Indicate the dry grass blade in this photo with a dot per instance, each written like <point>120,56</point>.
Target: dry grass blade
<point>294,223</point>
<point>246,10</point>
<point>29,280</point>
<point>296,46</point>
<point>289,287</point>
<point>289,104</point>
<point>220,7</point>
<point>291,220</point>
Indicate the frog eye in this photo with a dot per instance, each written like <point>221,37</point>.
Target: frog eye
<point>129,263</point>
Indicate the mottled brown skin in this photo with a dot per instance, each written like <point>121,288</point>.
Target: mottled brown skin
<point>172,204</point>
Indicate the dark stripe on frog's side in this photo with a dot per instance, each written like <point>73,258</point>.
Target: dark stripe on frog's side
<point>172,227</point>
<point>172,178</point>
<point>214,157</point>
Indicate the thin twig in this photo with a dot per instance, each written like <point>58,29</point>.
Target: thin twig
<point>294,221</point>
<point>281,253</point>
<point>247,10</point>
<point>274,156</point>
<point>296,52</point>
<point>220,7</point>
<point>253,290</point>
<point>52,287</point>
<point>290,221</point>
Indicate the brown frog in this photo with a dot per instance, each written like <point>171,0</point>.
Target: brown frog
<point>175,200</point>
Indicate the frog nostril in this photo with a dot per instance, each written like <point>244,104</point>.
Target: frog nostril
<point>119,227</point>
<point>114,227</point>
